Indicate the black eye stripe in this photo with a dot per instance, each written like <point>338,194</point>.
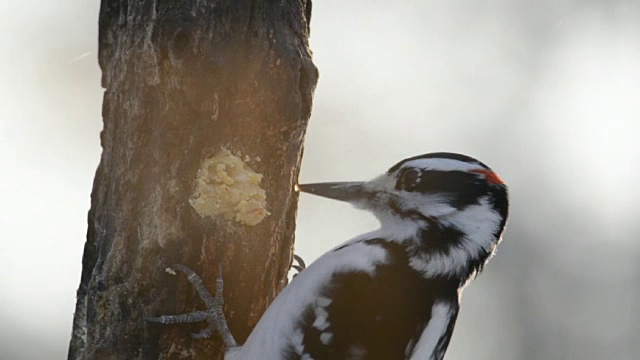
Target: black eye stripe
<point>464,187</point>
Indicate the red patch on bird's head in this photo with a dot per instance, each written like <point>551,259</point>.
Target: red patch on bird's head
<point>492,178</point>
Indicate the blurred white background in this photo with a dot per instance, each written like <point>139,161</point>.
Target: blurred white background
<point>546,92</point>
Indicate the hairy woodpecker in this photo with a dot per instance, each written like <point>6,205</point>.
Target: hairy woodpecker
<point>388,294</point>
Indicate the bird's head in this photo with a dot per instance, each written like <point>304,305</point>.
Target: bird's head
<point>449,194</point>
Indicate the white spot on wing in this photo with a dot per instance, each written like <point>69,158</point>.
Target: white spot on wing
<point>297,340</point>
<point>326,337</point>
<point>321,322</point>
<point>321,312</point>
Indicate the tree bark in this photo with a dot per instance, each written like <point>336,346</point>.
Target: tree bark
<point>186,81</point>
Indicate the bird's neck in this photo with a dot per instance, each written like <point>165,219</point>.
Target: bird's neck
<point>445,251</point>
<point>440,249</point>
<point>453,246</point>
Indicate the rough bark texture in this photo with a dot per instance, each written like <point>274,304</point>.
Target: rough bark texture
<point>183,80</point>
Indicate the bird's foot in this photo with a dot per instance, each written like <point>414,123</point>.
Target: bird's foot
<point>299,266</point>
<point>214,313</point>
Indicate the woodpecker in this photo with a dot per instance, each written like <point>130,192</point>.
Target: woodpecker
<point>392,293</point>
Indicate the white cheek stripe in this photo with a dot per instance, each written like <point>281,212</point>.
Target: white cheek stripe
<point>436,328</point>
<point>479,224</point>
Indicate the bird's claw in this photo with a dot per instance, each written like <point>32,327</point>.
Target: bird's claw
<point>214,313</point>
<point>301,265</point>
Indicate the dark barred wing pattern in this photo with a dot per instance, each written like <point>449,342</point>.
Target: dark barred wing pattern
<point>374,316</point>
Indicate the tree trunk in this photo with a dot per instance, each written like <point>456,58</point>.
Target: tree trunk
<point>205,110</point>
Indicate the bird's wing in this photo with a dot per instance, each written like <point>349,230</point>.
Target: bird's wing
<point>388,312</point>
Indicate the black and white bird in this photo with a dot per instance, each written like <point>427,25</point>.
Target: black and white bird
<point>392,293</point>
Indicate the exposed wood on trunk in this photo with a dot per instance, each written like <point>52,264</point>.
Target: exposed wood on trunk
<point>183,81</point>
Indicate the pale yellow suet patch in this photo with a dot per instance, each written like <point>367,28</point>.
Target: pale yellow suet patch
<point>226,186</point>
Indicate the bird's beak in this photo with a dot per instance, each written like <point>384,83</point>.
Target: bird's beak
<point>351,192</point>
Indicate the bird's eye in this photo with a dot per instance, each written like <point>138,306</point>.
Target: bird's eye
<point>409,179</point>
